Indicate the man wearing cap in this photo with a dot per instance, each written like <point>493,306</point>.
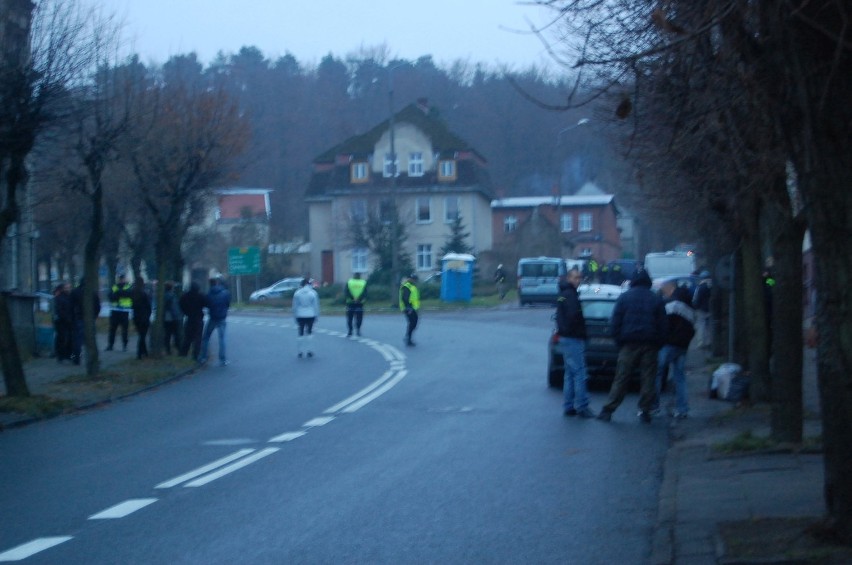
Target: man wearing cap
<point>500,281</point>
<point>121,301</point>
<point>409,303</point>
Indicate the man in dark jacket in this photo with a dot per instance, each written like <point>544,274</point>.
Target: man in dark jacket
<point>218,303</point>
<point>192,304</point>
<point>639,328</point>
<point>571,328</point>
<point>681,328</point>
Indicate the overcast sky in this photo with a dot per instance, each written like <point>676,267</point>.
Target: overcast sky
<point>477,30</point>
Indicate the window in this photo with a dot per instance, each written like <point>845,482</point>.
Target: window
<point>424,257</point>
<point>359,260</point>
<point>446,170</point>
<point>391,166</point>
<point>510,224</point>
<point>359,172</point>
<point>585,222</point>
<point>386,211</point>
<point>424,210</point>
<point>415,164</point>
<point>451,209</point>
<point>358,211</point>
<point>566,222</point>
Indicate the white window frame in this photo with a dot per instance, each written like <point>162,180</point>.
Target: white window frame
<point>386,168</point>
<point>424,256</point>
<point>415,164</point>
<point>566,222</point>
<point>360,257</point>
<point>447,218</point>
<point>510,224</point>
<point>584,222</point>
<point>360,171</point>
<point>417,204</point>
<point>447,169</point>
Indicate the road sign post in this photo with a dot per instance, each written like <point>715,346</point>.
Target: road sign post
<point>243,261</point>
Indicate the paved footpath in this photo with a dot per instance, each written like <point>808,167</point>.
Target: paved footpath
<point>702,488</point>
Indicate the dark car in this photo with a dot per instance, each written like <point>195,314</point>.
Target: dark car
<point>597,302</point>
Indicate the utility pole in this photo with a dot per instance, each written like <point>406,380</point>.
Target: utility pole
<point>394,212</point>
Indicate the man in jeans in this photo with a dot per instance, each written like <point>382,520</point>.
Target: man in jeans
<point>571,328</point>
<point>218,303</point>
<point>639,327</point>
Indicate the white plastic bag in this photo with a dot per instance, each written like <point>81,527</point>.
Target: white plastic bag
<point>722,377</point>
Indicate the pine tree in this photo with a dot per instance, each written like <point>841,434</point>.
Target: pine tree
<point>457,240</point>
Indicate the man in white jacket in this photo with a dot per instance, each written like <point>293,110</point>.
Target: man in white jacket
<point>306,310</point>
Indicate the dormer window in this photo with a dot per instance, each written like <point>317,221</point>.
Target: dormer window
<point>447,170</point>
<point>415,164</point>
<point>359,172</point>
<point>391,166</point>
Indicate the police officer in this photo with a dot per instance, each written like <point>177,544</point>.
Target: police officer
<point>356,288</point>
<point>409,304</point>
<point>121,302</point>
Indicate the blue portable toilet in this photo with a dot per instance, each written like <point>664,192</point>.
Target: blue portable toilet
<point>457,277</point>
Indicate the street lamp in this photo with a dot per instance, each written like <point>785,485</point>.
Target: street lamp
<point>395,212</point>
<point>580,122</point>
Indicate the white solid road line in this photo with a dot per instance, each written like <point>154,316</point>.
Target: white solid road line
<point>123,509</point>
<point>205,469</point>
<point>31,548</point>
<point>371,397</point>
<point>317,422</point>
<point>232,467</point>
<point>364,391</point>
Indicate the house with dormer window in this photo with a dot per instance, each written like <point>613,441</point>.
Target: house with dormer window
<point>438,177</point>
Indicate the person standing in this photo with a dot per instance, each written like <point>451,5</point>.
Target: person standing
<point>218,302</point>
<point>192,304</point>
<point>680,318</point>
<point>171,318</point>
<point>500,281</point>
<point>121,300</point>
<point>306,310</point>
<point>571,328</point>
<point>63,322</point>
<point>141,317</point>
<point>409,304</point>
<point>356,293</point>
<point>79,327</point>
<point>639,328</point>
<point>701,304</point>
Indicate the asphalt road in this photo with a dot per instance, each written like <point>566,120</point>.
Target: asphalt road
<point>453,451</point>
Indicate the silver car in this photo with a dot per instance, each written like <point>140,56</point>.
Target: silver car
<point>284,287</point>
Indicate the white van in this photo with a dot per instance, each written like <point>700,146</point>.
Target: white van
<point>668,264</point>
<point>538,279</point>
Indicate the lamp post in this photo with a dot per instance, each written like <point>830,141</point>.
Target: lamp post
<point>580,122</point>
<point>395,212</point>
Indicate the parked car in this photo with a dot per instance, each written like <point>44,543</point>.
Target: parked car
<point>284,287</point>
<point>597,301</point>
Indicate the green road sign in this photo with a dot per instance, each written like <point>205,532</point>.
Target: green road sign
<point>243,261</point>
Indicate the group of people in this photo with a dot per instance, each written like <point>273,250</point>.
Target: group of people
<point>68,321</point>
<point>653,332</point>
<point>306,310</point>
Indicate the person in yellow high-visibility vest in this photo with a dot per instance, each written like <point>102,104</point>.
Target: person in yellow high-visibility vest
<point>356,293</point>
<point>121,301</point>
<point>409,304</point>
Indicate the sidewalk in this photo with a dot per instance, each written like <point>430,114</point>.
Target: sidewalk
<point>703,489</point>
<point>43,375</point>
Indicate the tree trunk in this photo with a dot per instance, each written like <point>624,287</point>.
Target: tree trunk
<point>787,412</point>
<point>829,219</point>
<point>754,332</point>
<point>10,357</point>
<point>90,268</point>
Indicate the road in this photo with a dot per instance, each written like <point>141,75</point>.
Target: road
<point>453,451</point>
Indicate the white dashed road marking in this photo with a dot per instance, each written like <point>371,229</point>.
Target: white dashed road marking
<point>232,467</point>
<point>205,469</point>
<point>124,509</point>
<point>287,436</point>
<point>32,547</point>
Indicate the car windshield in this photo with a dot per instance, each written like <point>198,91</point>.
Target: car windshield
<point>599,309</point>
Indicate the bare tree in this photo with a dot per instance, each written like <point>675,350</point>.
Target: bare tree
<point>178,157</point>
<point>49,56</point>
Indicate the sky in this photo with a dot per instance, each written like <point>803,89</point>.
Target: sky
<point>494,32</point>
